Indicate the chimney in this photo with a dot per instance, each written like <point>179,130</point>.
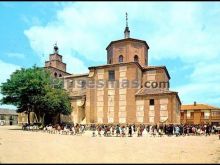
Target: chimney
<point>194,103</point>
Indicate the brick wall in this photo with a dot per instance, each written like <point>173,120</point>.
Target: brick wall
<point>128,49</point>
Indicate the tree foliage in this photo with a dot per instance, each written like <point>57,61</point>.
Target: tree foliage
<point>34,90</point>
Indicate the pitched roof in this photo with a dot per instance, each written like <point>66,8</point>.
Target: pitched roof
<point>155,91</point>
<point>128,39</point>
<point>116,64</point>
<point>144,68</point>
<point>155,68</point>
<point>77,75</point>
<point>56,69</point>
<point>5,111</point>
<point>198,107</point>
<point>56,54</point>
<point>150,91</point>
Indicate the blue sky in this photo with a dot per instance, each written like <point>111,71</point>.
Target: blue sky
<point>183,36</point>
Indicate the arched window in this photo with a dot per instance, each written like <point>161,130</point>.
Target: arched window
<point>60,75</point>
<point>55,74</point>
<point>120,58</point>
<point>136,59</point>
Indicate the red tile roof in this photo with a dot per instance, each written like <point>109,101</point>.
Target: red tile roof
<point>117,64</point>
<point>155,91</point>
<point>128,39</point>
<point>156,68</point>
<point>77,75</point>
<point>5,111</point>
<point>198,107</point>
<point>150,91</point>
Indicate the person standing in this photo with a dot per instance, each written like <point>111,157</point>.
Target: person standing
<point>208,130</point>
<point>181,129</point>
<point>123,131</point>
<point>177,130</point>
<point>134,128</point>
<point>130,131</point>
<point>117,130</point>
<point>99,130</point>
<point>187,128</point>
<point>113,130</point>
<point>138,131</point>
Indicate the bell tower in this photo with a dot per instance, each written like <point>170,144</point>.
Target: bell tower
<point>55,63</point>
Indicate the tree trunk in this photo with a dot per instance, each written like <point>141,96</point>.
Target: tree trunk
<point>42,119</point>
<point>28,118</point>
<point>59,118</point>
<point>36,117</point>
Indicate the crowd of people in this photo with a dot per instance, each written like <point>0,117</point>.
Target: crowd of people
<point>77,129</point>
<point>129,130</point>
<point>153,130</point>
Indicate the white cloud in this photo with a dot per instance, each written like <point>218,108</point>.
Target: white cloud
<point>203,85</point>
<point>30,21</point>
<point>200,92</point>
<point>89,27</point>
<point>204,72</point>
<point>16,55</point>
<point>76,29</point>
<point>6,106</point>
<point>77,66</point>
<point>6,70</point>
<point>181,36</point>
<point>185,30</point>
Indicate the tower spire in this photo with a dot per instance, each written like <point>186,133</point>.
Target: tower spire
<point>127,31</point>
<point>126,19</point>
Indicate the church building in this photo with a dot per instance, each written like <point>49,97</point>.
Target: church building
<point>125,90</point>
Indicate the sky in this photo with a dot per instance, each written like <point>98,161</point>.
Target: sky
<point>183,36</point>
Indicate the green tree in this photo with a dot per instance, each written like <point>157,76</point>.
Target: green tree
<point>55,102</point>
<point>34,90</point>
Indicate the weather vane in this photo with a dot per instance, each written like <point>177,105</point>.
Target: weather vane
<point>55,47</point>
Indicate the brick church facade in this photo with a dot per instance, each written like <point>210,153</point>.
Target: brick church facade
<point>125,90</point>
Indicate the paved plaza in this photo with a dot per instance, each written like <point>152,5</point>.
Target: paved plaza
<point>18,146</point>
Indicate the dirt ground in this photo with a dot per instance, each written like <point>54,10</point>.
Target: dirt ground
<point>17,146</point>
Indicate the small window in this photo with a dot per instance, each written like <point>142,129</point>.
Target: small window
<point>151,101</point>
<point>111,75</point>
<point>2,117</point>
<point>202,114</point>
<point>191,114</point>
<point>136,59</point>
<point>70,83</point>
<point>55,74</point>
<point>60,75</point>
<point>120,58</point>
<point>83,83</point>
<point>182,114</point>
